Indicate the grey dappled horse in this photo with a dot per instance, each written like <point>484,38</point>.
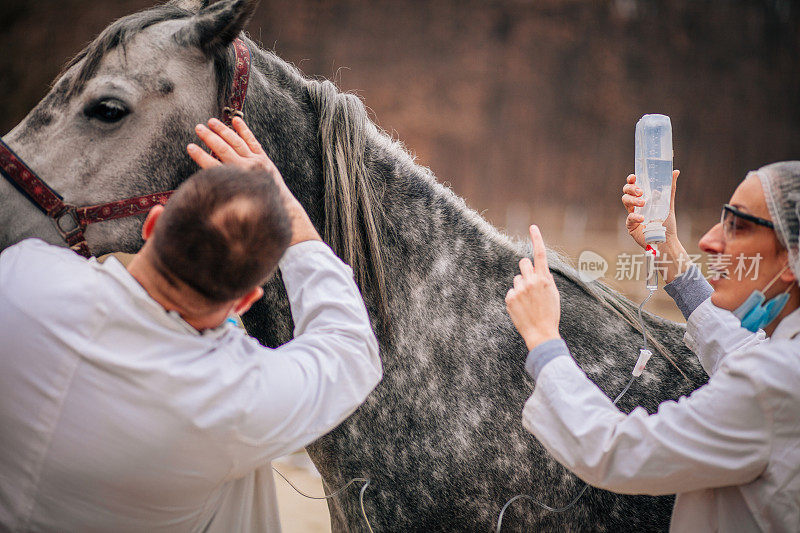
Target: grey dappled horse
<point>440,437</point>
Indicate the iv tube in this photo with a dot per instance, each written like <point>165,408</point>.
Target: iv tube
<point>651,273</point>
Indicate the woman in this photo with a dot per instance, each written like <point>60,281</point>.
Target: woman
<point>731,450</point>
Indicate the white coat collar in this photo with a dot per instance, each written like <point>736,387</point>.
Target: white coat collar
<point>789,327</point>
<point>117,270</point>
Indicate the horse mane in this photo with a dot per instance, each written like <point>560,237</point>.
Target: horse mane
<point>354,215</point>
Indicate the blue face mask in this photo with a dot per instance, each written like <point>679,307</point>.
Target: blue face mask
<point>755,313</point>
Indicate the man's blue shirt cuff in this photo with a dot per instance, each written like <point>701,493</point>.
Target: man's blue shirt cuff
<point>543,354</point>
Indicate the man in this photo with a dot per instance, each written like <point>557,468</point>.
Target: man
<point>127,403</point>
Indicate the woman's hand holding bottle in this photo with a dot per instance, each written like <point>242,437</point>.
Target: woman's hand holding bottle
<point>672,254</point>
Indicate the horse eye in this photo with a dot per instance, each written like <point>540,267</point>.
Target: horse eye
<point>107,110</point>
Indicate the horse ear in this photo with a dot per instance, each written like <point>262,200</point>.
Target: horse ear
<point>192,6</point>
<point>217,25</point>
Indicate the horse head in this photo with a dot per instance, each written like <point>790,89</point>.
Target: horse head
<point>116,121</point>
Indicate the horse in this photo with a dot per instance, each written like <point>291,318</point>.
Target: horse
<point>440,438</point>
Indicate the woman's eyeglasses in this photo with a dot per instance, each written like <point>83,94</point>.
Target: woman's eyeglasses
<point>734,220</point>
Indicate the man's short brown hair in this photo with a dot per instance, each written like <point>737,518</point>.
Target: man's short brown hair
<point>222,232</point>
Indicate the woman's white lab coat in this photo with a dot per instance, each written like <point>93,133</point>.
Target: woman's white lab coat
<point>731,450</point>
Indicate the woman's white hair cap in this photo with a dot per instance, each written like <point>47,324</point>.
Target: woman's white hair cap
<point>781,183</point>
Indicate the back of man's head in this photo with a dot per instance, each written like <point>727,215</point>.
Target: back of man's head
<point>222,232</point>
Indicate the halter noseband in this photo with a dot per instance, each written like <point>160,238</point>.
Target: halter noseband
<point>71,221</point>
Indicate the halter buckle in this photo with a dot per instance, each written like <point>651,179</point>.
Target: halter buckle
<point>67,223</point>
<point>231,112</point>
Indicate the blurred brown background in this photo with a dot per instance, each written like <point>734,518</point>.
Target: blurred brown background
<point>525,107</point>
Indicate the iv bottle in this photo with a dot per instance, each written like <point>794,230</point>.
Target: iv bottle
<point>653,167</point>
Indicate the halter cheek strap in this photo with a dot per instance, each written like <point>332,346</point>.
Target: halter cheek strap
<point>71,221</point>
<point>241,76</point>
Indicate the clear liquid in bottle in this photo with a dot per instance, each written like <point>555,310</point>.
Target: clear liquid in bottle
<point>653,167</point>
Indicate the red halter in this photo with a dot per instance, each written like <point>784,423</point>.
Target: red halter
<point>71,221</point>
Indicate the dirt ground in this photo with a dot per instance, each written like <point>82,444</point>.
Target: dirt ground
<point>300,514</point>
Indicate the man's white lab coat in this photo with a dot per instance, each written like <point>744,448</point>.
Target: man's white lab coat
<point>116,415</point>
<point>731,450</point>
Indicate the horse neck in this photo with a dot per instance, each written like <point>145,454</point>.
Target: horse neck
<point>435,241</point>
<point>438,253</point>
<point>428,227</point>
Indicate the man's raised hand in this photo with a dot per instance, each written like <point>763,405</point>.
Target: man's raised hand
<point>236,146</point>
<point>239,147</point>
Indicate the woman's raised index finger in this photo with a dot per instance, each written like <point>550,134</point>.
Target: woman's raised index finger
<point>539,251</point>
